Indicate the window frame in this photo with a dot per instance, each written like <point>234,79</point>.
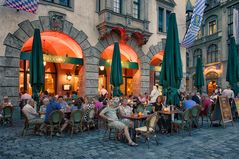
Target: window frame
<point>197,53</point>
<point>137,13</point>
<point>167,18</point>
<point>162,9</point>
<point>117,6</point>
<point>230,18</point>
<point>209,26</point>
<point>212,53</point>
<point>69,6</point>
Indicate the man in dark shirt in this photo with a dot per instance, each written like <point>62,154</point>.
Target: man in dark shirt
<point>52,106</point>
<point>196,98</point>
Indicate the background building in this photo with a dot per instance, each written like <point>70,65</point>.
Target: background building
<point>85,31</point>
<point>212,44</point>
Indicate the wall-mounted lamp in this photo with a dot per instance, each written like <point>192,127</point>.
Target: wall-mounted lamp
<point>44,63</point>
<point>68,76</point>
<point>102,68</point>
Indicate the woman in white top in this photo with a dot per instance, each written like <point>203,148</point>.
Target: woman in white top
<point>154,94</point>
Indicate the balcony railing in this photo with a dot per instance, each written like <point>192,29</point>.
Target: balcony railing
<point>110,19</point>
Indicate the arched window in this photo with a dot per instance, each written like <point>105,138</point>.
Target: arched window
<point>197,53</point>
<point>212,53</point>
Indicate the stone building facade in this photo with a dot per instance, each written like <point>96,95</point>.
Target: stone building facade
<point>94,25</point>
<point>212,44</point>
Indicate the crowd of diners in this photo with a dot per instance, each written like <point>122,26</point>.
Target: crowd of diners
<point>113,110</point>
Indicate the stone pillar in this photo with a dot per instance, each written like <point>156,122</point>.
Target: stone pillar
<point>82,82</point>
<point>136,82</point>
<point>9,75</point>
<point>91,71</point>
<point>145,77</point>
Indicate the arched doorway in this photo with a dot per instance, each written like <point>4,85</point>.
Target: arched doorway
<point>130,69</point>
<point>155,68</point>
<point>63,63</point>
<point>212,82</point>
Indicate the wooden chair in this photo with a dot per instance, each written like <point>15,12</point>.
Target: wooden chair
<point>7,115</point>
<point>55,119</point>
<point>149,130</point>
<point>76,121</point>
<point>184,122</point>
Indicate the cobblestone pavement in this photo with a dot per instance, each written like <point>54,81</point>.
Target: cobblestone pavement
<point>205,143</point>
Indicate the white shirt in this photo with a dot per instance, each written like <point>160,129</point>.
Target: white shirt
<point>30,112</point>
<point>228,93</point>
<point>26,96</point>
<point>154,94</point>
<point>127,110</point>
<point>103,91</point>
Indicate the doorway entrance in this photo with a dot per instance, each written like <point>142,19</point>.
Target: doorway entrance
<point>130,70</point>
<point>63,63</point>
<point>155,69</point>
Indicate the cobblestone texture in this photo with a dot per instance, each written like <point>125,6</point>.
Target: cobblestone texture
<point>205,143</point>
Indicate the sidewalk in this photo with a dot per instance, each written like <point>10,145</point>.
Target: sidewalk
<point>205,143</point>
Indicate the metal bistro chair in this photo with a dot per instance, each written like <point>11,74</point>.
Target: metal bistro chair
<point>7,115</point>
<point>149,130</point>
<point>99,122</point>
<point>28,125</point>
<point>112,133</point>
<point>140,108</point>
<point>184,122</point>
<point>55,119</point>
<point>195,115</point>
<point>76,121</point>
<point>90,119</point>
<point>206,116</point>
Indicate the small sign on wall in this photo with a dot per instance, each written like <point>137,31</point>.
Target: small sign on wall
<point>66,87</point>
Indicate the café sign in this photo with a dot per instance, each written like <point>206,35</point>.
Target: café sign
<point>54,59</point>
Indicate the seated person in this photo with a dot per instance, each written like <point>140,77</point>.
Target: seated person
<point>188,103</point>
<point>31,113</point>
<point>164,120</point>
<point>126,110</point>
<point>159,104</point>
<point>62,102</point>
<point>5,103</point>
<point>196,98</point>
<point>206,103</point>
<point>98,104</point>
<point>43,107</point>
<point>52,106</point>
<point>74,105</point>
<point>109,113</point>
